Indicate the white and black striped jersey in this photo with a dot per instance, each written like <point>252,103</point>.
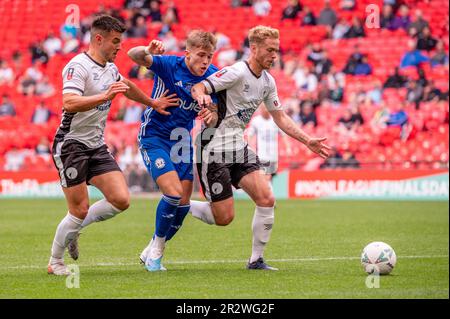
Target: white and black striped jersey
<point>239,92</point>
<point>84,76</point>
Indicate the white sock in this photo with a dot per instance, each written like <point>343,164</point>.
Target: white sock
<point>67,229</point>
<point>100,211</point>
<point>202,211</point>
<point>262,228</point>
<point>157,247</point>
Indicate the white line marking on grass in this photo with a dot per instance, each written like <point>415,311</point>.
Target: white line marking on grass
<point>230,261</point>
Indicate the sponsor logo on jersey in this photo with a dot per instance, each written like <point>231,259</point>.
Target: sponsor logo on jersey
<point>220,73</point>
<point>193,106</point>
<point>246,88</point>
<point>246,114</point>
<point>104,106</point>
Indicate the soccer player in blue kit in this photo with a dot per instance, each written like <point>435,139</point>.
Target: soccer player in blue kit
<point>165,132</point>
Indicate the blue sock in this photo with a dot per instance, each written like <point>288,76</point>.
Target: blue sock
<point>178,220</point>
<point>165,214</point>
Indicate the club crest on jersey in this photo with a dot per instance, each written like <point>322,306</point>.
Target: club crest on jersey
<point>160,163</point>
<point>220,73</point>
<point>70,73</point>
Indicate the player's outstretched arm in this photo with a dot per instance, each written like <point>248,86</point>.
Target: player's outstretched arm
<point>73,103</point>
<point>159,105</point>
<point>287,125</point>
<point>143,55</point>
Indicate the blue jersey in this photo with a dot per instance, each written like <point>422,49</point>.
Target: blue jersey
<point>171,73</point>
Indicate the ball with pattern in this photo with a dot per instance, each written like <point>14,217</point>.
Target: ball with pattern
<point>378,258</point>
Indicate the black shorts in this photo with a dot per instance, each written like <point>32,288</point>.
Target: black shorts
<point>219,172</point>
<point>78,163</point>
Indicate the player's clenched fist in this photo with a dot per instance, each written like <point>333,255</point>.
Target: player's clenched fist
<point>155,47</point>
<point>204,100</point>
<point>116,88</point>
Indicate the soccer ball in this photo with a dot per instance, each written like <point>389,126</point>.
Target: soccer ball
<point>378,258</point>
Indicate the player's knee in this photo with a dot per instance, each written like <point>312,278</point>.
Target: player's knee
<point>224,220</point>
<point>121,202</point>
<point>266,201</point>
<point>80,211</point>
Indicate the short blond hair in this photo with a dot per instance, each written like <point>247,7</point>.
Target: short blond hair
<point>201,39</point>
<point>260,33</point>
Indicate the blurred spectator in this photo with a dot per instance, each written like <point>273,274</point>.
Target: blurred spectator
<point>333,161</point>
<point>387,17</point>
<point>138,4</point>
<point>426,41</point>
<point>323,65</point>
<point>422,79</point>
<point>41,114</point>
<point>399,117</point>
<point>6,73</point>
<point>356,30</point>
<point>261,7</point>
<point>334,86</point>
<point>222,40</point>
<point>316,53</point>
<point>226,56</point>
<point>292,10</point>
<point>171,14</point>
<point>363,68</point>
<point>413,57</point>
<point>431,92</point>
<point>241,3</point>
<point>395,80</point>
<point>52,44</point>
<point>355,58</point>
<point>139,30</point>
<point>133,114</point>
<point>38,53</point>
<point>43,148</point>
<point>414,93</point>
<point>44,88</point>
<point>375,95</point>
<point>17,64</point>
<point>380,118</point>
<point>71,45</point>
<point>68,31</point>
<point>155,11</point>
<point>419,23</point>
<point>308,17</point>
<point>347,4</point>
<point>170,42</point>
<point>340,29</point>
<point>402,20</point>
<point>27,83</point>
<point>349,160</point>
<point>351,119</point>
<point>7,107</point>
<point>327,15</point>
<point>440,56</point>
<point>305,78</point>
<point>308,114</point>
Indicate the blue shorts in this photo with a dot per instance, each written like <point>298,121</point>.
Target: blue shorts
<point>162,155</point>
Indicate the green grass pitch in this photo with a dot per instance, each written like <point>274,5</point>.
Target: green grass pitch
<point>316,245</point>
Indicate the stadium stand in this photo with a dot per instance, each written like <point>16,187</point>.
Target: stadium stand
<point>421,141</point>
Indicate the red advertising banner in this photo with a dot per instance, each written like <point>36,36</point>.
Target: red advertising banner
<point>362,184</point>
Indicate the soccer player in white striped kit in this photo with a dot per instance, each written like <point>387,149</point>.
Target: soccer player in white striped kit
<point>226,159</point>
<point>90,82</point>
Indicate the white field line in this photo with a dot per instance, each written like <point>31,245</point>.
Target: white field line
<point>230,261</point>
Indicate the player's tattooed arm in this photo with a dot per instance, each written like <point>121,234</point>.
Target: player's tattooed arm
<point>143,55</point>
<point>287,125</point>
